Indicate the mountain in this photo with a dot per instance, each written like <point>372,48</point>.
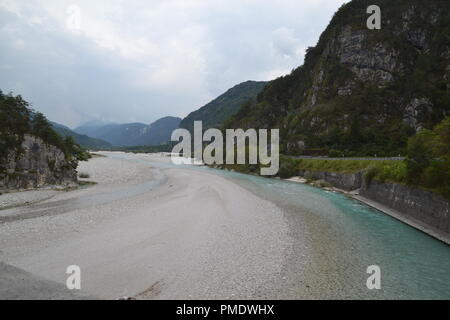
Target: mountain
<point>95,123</point>
<point>83,140</point>
<point>214,113</point>
<point>133,134</point>
<point>95,130</point>
<point>362,91</point>
<point>159,132</point>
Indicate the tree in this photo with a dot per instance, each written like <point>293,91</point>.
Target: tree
<point>14,122</point>
<point>428,162</point>
<point>419,156</point>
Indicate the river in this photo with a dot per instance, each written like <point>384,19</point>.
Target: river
<point>153,230</point>
<point>346,237</point>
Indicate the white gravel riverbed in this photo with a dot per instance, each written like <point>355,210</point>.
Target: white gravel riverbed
<point>151,232</point>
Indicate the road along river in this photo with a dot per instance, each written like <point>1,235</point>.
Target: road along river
<point>152,230</point>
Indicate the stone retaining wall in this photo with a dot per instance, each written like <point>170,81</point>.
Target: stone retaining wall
<point>421,205</point>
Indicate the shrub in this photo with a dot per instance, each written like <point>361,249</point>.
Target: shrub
<point>335,153</point>
<point>370,174</point>
<point>84,175</point>
<point>288,167</point>
<point>428,163</point>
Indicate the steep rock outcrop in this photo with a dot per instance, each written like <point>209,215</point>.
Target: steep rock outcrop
<point>38,165</point>
<point>360,90</point>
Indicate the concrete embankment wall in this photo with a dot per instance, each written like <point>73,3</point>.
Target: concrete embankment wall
<point>347,182</point>
<point>422,206</point>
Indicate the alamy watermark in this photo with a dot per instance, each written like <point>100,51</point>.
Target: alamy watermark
<point>238,143</point>
<point>73,281</point>
<point>73,20</point>
<point>374,280</point>
<point>374,21</point>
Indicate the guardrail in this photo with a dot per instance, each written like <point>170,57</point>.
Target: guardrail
<point>350,158</point>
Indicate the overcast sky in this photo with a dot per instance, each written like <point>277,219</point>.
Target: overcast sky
<point>137,61</point>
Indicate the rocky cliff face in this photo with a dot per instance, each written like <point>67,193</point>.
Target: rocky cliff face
<point>363,90</point>
<point>386,56</point>
<point>38,165</point>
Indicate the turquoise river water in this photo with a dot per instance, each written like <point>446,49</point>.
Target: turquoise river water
<point>346,236</point>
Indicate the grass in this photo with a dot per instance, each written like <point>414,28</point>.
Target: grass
<point>384,170</point>
<point>343,166</point>
<point>393,171</point>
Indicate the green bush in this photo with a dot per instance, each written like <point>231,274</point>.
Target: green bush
<point>84,175</point>
<point>335,153</point>
<point>428,163</point>
<point>288,167</point>
<point>370,174</point>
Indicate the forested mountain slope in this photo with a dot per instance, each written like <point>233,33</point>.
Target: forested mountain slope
<point>362,91</point>
<point>82,139</point>
<point>217,111</point>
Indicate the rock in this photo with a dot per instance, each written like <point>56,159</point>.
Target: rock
<point>376,63</point>
<point>39,165</point>
<point>347,182</point>
<point>412,111</point>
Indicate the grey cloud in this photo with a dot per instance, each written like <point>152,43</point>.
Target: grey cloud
<point>141,60</point>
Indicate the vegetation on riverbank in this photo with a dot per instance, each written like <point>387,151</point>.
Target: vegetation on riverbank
<point>143,149</point>
<point>427,165</point>
<point>17,119</point>
<point>359,92</point>
<point>382,170</point>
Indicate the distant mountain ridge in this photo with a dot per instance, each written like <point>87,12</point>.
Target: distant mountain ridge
<point>83,140</point>
<point>133,134</point>
<point>226,105</point>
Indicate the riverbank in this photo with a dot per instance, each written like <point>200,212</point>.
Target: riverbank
<point>444,237</point>
<point>151,232</point>
<point>353,184</point>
